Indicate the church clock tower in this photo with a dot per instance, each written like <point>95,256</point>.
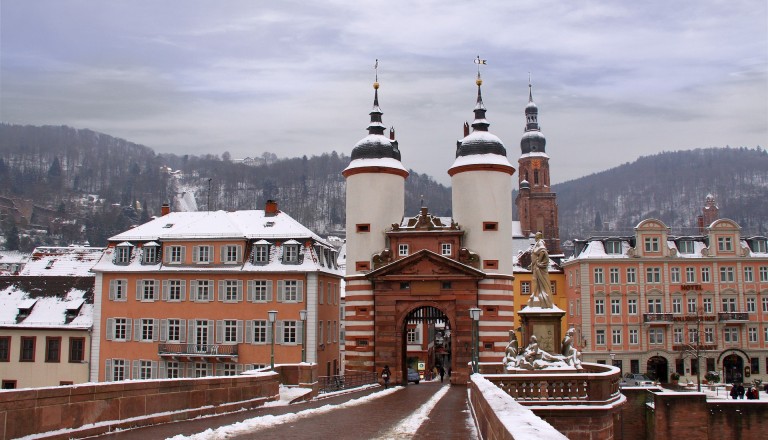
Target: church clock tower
<point>536,203</point>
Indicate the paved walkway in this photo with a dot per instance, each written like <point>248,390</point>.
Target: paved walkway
<point>410,412</point>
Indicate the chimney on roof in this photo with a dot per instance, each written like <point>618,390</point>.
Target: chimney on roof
<point>270,209</point>
<point>392,133</point>
<point>466,129</point>
<point>165,209</point>
<point>700,224</point>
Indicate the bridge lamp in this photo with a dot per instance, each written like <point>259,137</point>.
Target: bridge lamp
<point>303,316</point>
<point>272,316</point>
<point>474,313</point>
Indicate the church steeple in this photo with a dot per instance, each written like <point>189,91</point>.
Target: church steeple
<point>376,145</point>
<point>536,203</point>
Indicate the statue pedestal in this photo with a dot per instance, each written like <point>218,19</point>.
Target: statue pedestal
<point>545,324</point>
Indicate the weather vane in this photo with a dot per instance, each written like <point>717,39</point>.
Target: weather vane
<point>478,61</point>
<point>376,68</point>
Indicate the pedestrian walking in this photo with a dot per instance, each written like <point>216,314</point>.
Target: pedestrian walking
<point>741,391</point>
<point>386,374</point>
<point>734,391</point>
<point>442,373</point>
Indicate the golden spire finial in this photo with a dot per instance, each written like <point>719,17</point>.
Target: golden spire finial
<point>376,69</point>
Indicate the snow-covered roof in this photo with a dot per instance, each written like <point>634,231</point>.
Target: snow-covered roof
<point>381,162</point>
<point>75,261</point>
<point>534,153</point>
<point>235,225</point>
<point>46,302</point>
<point>481,159</point>
<point>14,257</point>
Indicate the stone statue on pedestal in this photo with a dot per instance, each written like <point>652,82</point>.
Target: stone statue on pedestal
<point>541,289</point>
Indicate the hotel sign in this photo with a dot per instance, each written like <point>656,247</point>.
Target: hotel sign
<point>690,287</point>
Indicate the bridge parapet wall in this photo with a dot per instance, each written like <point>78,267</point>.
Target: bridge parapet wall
<point>89,409</point>
<point>499,417</point>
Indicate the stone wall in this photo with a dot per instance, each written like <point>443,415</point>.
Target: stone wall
<point>95,408</point>
<point>655,414</point>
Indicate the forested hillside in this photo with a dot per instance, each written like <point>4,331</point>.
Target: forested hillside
<point>60,185</point>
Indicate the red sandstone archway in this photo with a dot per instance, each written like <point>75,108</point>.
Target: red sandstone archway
<point>419,336</point>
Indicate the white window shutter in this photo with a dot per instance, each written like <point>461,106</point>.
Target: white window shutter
<point>110,329</point>
<point>251,288</point>
<point>182,330</point>
<point>320,292</point>
<point>221,290</point>
<point>183,290</point>
<point>219,331</point>
<point>249,331</point>
<point>183,254</point>
<point>128,333</point>
<point>112,289</point>
<point>269,331</point>
<point>135,370</point>
<point>191,332</point>
<point>211,324</point>
<point>154,370</point>
<point>167,255</point>
<point>223,253</point>
<point>279,335</point>
<point>163,330</point>
<point>139,285</point>
<point>269,290</point>
<point>137,329</point>
<point>156,329</point>
<point>280,290</point>
<point>239,337</point>
<point>165,290</point>
<point>193,290</point>
<point>300,332</point>
<point>239,290</point>
<point>162,370</point>
<point>239,253</point>
<point>195,253</point>
<point>239,368</point>
<point>155,290</point>
<point>300,291</point>
<point>108,373</point>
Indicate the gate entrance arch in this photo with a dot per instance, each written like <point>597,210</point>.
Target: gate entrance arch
<point>426,336</point>
<point>657,368</point>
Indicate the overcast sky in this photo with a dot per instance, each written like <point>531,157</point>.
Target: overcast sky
<point>614,80</point>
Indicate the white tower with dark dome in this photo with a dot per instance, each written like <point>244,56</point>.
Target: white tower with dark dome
<point>481,182</point>
<point>375,191</point>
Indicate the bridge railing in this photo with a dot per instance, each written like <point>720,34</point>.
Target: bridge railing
<point>329,384</point>
<point>596,383</point>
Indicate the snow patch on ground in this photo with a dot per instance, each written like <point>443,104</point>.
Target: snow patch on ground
<point>268,421</point>
<point>408,426</point>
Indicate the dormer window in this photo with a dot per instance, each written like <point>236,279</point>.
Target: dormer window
<point>724,244</point>
<point>760,245</point>
<point>261,252</point>
<point>613,247</point>
<point>685,246</point>
<point>291,252</point>
<point>203,254</point>
<point>123,253</point>
<point>652,244</point>
<point>149,253</point>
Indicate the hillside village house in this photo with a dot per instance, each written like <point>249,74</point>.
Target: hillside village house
<point>46,316</point>
<point>661,303</point>
<point>189,294</point>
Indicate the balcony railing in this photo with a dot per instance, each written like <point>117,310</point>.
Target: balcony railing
<point>732,316</point>
<point>658,317</point>
<point>219,350</point>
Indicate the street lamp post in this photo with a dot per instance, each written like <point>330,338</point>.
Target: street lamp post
<point>272,316</point>
<point>474,313</point>
<point>303,316</point>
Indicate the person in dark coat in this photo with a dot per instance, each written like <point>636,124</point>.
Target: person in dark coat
<point>386,375</point>
<point>442,373</point>
<point>734,391</point>
<point>741,391</point>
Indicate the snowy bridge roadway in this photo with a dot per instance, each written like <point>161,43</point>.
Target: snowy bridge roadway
<point>430,410</point>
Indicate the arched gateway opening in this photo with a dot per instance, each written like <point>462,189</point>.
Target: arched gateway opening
<point>658,369</point>
<point>426,344</point>
<point>733,367</point>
